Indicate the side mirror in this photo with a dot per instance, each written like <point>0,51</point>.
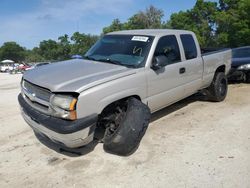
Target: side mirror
<point>159,62</point>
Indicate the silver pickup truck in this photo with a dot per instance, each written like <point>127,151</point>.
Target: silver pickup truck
<point>123,78</point>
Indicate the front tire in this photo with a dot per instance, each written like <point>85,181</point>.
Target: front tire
<point>217,91</point>
<point>126,126</point>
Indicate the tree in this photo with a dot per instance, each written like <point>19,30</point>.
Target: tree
<point>33,55</point>
<point>116,25</point>
<point>13,51</point>
<point>233,21</point>
<point>137,21</point>
<point>64,47</point>
<point>82,42</point>
<point>48,49</point>
<point>151,18</point>
<point>200,19</point>
<point>226,24</point>
<point>154,17</point>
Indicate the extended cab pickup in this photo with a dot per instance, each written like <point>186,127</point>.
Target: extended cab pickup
<point>122,79</point>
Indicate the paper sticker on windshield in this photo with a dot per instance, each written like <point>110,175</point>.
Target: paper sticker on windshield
<point>140,38</point>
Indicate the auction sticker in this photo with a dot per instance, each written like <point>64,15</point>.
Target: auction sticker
<point>140,38</point>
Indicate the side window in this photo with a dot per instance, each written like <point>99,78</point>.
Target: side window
<point>189,46</point>
<point>168,46</point>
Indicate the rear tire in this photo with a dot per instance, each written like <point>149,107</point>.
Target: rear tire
<point>217,91</point>
<point>126,126</point>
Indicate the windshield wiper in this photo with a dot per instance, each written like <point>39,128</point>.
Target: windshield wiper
<point>115,62</point>
<point>103,60</point>
<point>89,58</point>
<point>111,61</point>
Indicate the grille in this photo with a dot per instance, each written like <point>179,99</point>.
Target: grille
<point>38,92</point>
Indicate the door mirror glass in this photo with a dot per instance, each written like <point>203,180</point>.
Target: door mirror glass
<point>159,62</point>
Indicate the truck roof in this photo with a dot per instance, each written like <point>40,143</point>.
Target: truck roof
<point>151,32</point>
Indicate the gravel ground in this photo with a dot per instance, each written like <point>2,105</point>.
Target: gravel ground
<point>193,143</point>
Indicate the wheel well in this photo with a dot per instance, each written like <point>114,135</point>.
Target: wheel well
<point>100,127</point>
<point>120,101</point>
<point>221,68</point>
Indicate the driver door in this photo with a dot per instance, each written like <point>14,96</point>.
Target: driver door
<point>166,85</point>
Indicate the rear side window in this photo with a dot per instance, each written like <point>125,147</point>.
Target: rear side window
<point>168,46</point>
<point>189,46</point>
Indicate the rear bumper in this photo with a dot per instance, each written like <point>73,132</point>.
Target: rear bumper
<point>71,134</point>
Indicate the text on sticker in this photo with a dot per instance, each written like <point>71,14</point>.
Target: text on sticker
<point>140,38</point>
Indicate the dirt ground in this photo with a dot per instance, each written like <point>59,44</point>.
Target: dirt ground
<point>193,143</point>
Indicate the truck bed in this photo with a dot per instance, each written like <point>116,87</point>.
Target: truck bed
<point>213,59</point>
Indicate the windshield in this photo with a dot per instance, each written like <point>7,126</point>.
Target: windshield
<point>241,53</point>
<point>126,50</point>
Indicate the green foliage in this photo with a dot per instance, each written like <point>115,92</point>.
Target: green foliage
<point>151,18</point>
<point>64,48</point>
<point>48,49</point>
<point>13,51</point>
<point>116,25</point>
<point>33,55</point>
<point>226,24</point>
<point>82,42</point>
<point>233,20</point>
<point>200,19</point>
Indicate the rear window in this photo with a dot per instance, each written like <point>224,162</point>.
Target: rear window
<point>189,46</point>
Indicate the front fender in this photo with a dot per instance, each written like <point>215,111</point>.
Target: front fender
<point>95,99</point>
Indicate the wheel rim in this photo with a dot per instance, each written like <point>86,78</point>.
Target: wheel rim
<point>223,87</point>
<point>114,121</point>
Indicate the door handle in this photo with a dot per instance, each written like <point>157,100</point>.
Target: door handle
<point>182,70</point>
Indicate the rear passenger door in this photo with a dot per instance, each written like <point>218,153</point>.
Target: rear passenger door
<point>166,85</point>
<point>193,63</point>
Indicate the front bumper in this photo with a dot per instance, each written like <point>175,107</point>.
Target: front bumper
<point>71,134</point>
<point>236,75</point>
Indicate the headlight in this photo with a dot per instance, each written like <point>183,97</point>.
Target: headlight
<point>63,101</point>
<point>63,106</point>
<point>244,67</point>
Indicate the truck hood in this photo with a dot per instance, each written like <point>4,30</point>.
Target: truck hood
<point>75,75</point>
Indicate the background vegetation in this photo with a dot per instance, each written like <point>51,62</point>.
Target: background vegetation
<point>222,24</point>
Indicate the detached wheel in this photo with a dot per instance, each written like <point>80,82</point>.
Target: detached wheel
<point>126,124</point>
<point>217,91</point>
